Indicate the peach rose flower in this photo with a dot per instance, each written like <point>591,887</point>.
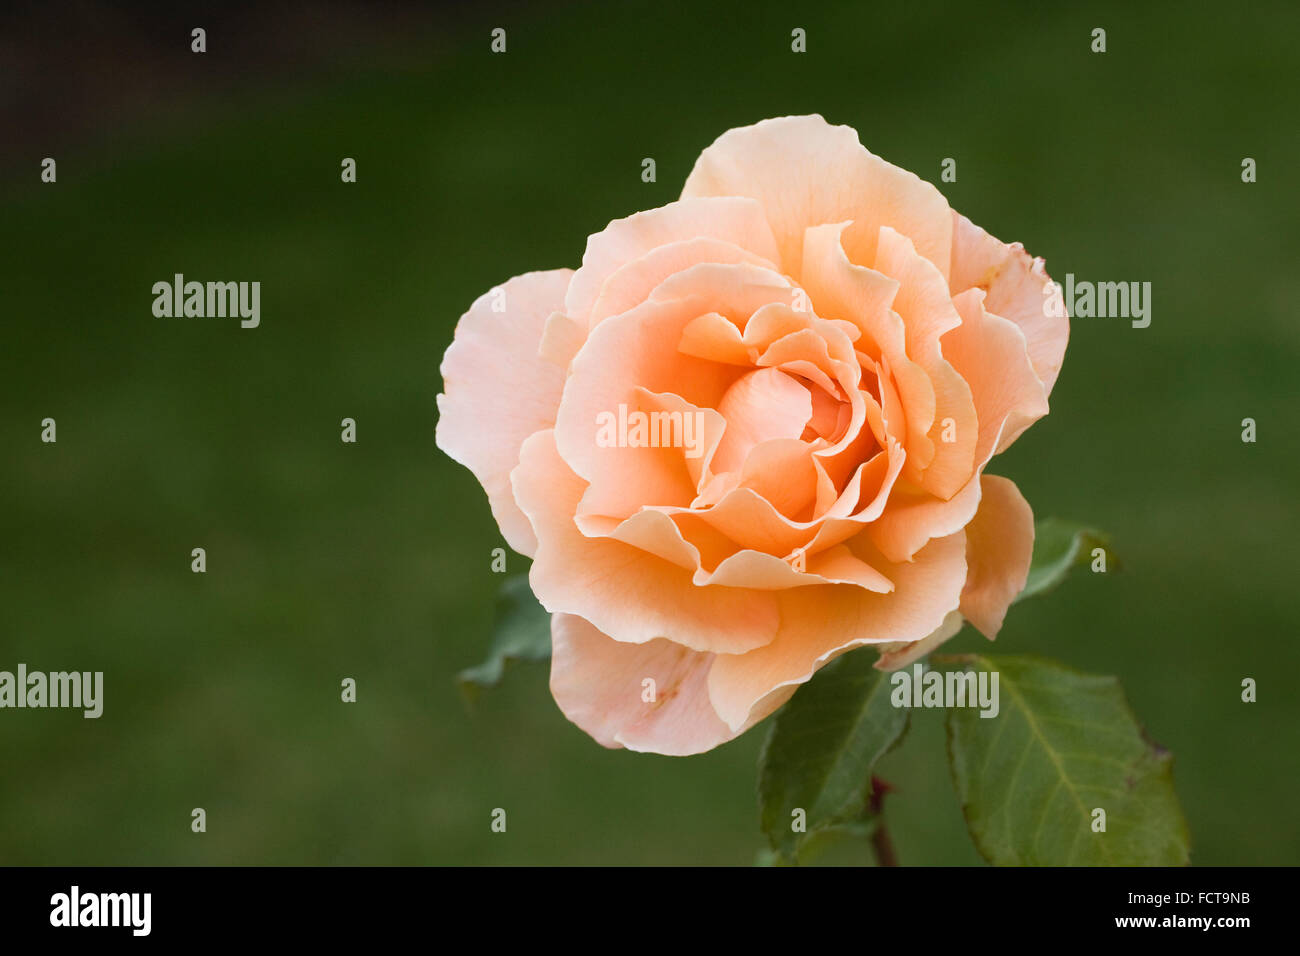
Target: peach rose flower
<point>749,433</point>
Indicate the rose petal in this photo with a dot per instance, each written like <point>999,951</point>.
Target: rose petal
<point>759,406</point>
<point>990,353</point>
<point>733,219</point>
<point>999,548</point>
<point>599,684</point>
<point>716,338</point>
<point>927,311</point>
<point>842,290</point>
<point>766,572</point>
<point>818,623</point>
<point>625,358</point>
<point>633,282</point>
<point>894,656</point>
<point>806,172</point>
<point>562,337</point>
<point>624,591</point>
<point>1018,289</point>
<point>913,517</point>
<point>482,422</point>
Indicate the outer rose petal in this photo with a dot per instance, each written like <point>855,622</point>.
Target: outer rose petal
<point>596,681</point>
<point>497,391</point>
<point>1018,289</point>
<point>894,656</point>
<point>819,623</point>
<point>999,546</point>
<point>806,172</point>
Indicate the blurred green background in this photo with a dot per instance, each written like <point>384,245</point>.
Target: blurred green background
<point>371,561</point>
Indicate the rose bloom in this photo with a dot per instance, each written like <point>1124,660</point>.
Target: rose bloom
<point>831,356</point>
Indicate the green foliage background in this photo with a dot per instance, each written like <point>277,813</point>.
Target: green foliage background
<point>372,561</point>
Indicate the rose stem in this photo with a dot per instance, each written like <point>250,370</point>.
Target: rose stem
<point>881,845</point>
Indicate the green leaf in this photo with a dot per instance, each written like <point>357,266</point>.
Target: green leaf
<point>522,633</point>
<point>1062,745</point>
<point>1059,546</point>
<point>822,746</point>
